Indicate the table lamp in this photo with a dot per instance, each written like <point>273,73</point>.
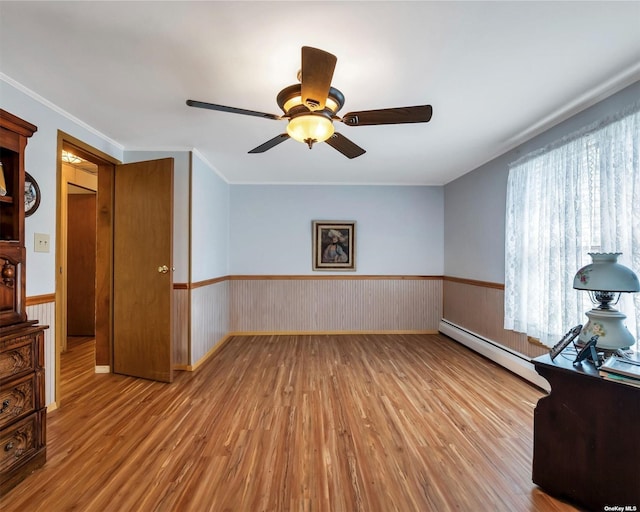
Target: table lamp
<point>605,279</point>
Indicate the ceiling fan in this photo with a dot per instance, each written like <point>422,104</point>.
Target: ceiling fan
<point>312,105</point>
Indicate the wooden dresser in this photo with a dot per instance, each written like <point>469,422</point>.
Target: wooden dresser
<point>22,397</point>
<point>586,447</point>
<point>23,412</point>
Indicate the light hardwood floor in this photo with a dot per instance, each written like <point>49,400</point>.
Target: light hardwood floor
<point>358,423</point>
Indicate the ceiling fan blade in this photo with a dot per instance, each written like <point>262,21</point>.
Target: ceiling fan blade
<point>317,72</point>
<point>270,143</point>
<point>400,115</point>
<point>232,110</point>
<point>344,145</point>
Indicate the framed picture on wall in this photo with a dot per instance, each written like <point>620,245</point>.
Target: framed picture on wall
<point>31,195</point>
<point>334,245</point>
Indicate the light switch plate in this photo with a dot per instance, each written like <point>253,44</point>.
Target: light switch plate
<point>40,242</point>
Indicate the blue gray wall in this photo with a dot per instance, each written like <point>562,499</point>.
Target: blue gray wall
<point>209,222</point>
<point>399,230</point>
<point>40,162</point>
<point>474,204</point>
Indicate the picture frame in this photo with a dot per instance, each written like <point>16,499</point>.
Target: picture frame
<point>334,245</point>
<point>31,195</point>
<point>571,335</point>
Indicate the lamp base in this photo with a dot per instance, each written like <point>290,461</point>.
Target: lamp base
<point>608,325</point>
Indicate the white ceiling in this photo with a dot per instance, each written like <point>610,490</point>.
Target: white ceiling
<point>496,73</point>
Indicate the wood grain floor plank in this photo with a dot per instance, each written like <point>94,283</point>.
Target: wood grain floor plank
<point>350,423</point>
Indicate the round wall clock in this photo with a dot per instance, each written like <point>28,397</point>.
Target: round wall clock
<point>31,195</point>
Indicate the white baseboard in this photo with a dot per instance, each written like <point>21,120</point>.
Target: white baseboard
<point>103,369</point>
<point>500,354</point>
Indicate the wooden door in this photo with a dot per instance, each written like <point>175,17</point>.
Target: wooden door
<point>142,269</point>
<point>81,265</point>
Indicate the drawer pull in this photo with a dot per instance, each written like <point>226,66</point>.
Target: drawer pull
<point>9,446</point>
<point>5,405</point>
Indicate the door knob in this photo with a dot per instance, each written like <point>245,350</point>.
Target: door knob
<point>163,269</point>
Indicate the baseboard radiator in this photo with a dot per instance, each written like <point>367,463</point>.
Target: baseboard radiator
<point>512,361</point>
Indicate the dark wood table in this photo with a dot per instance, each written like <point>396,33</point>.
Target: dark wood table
<point>586,439</point>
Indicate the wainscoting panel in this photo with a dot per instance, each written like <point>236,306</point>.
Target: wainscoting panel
<point>479,307</point>
<point>45,313</point>
<point>209,318</point>
<point>180,326</point>
<point>336,305</point>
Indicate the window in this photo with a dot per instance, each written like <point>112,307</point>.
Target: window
<point>578,195</point>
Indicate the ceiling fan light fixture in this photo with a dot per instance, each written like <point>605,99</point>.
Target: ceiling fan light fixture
<point>310,128</point>
<point>332,105</point>
<point>296,101</point>
<point>292,102</point>
<point>291,97</point>
<point>311,107</point>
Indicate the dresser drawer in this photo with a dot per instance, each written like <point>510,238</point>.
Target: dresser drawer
<point>20,441</point>
<point>17,356</point>
<point>18,397</point>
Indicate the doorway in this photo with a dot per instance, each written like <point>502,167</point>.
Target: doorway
<point>86,171</point>
<point>143,235</point>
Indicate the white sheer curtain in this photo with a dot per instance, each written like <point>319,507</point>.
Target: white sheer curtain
<point>578,195</point>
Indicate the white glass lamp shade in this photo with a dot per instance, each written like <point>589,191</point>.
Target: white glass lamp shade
<point>310,128</point>
<point>605,279</point>
<point>606,274</point>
